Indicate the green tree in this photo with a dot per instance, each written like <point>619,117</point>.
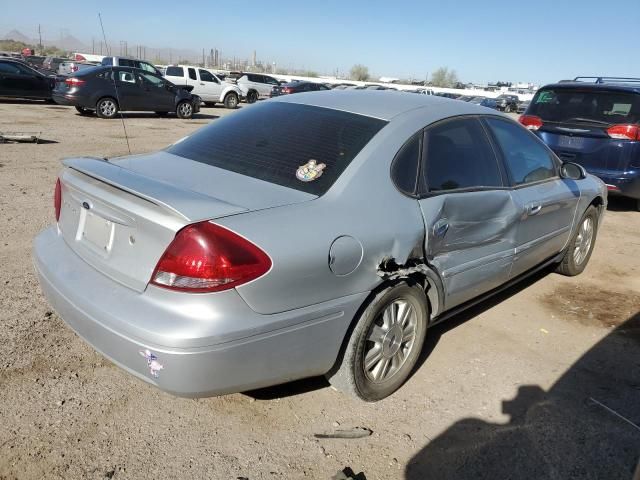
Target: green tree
<point>359,72</point>
<point>443,77</point>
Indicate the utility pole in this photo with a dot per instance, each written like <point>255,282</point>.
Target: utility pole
<point>40,39</point>
<point>203,62</point>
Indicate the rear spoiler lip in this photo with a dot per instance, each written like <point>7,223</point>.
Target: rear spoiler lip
<point>188,205</point>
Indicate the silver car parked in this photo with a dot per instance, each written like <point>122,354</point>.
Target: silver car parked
<point>315,234</point>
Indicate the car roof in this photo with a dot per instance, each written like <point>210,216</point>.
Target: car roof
<point>621,87</point>
<point>384,104</point>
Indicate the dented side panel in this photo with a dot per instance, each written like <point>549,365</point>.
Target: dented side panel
<point>470,241</point>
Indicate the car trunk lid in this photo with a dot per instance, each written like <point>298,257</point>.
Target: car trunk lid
<point>120,216</point>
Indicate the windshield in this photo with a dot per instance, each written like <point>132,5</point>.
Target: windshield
<point>584,105</point>
<point>298,146</point>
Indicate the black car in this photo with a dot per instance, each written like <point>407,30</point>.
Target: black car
<point>507,103</point>
<point>106,90</point>
<point>19,80</point>
<point>297,87</point>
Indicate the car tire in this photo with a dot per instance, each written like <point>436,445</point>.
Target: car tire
<point>231,100</point>
<point>107,107</point>
<point>83,111</point>
<point>252,97</point>
<point>184,110</point>
<point>581,245</point>
<point>507,109</point>
<point>377,360</point>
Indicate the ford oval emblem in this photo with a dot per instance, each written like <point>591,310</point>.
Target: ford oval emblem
<point>86,205</point>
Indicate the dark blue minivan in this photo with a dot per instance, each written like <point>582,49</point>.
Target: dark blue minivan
<point>593,121</point>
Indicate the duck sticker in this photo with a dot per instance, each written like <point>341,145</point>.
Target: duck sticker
<point>310,171</point>
<point>152,362</point>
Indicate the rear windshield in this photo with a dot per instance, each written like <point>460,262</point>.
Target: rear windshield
<point>174,72</point>
<point>298,146</point>
<point>582,105</point>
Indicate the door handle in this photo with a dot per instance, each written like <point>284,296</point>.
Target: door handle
<point>534,209</point>
<point>440,228</point>
<point>201,83</point>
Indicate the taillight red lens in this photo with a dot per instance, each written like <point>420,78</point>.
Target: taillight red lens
<point>624,132</point>
<point>73,81</point>
<point>531,122</point>
<point>205,257</point>
<point>287,90</point>
<point>57,199</point>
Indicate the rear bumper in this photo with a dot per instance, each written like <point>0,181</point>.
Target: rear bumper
<point>67,100</point>
<point>625,184</point>
<point>202,345</point>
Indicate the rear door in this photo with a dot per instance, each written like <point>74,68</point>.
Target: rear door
<point>470,217</point>
<point>130,93</point>
<point>548,203</point>
<point>10,84</point>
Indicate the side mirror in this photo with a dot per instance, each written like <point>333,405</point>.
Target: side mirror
<point>572,171</point>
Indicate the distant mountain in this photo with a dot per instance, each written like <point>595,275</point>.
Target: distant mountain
<point>17,36</point>
<point>68,42</point>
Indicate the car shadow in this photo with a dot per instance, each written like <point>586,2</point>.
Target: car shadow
<point>171,116</point>
<point>586,426</point>
<point>434,334</point>
<point>621,204</point>
<point>23,101</point>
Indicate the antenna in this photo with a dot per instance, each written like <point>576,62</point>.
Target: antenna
<point>115,84</point>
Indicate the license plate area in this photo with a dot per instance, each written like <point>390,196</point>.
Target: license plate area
<point>566,141</point>
<point>95,232</point>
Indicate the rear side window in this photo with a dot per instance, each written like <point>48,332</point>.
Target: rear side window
<point>192,74</point>
<point>175,72</point>
<point>458,155</point>
<point>298,146</point>
<point>404,168</point>
<point>527,159</point>
<point>581,105</point>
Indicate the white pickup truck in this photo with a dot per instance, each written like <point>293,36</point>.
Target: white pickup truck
<point>205,84</point>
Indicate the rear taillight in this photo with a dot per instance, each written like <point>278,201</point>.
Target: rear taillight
<point>73,81</point>
<point>624,132</point>
<point>57,199</point>
<point>205,257</point>
<point>287,90</point>
<point>531,122</point>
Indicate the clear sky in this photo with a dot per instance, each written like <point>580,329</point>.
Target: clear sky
<point>487,40</point>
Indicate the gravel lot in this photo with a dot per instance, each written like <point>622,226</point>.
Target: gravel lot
<point>541,382</point>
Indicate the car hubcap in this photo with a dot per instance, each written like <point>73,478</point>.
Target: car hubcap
<point>583,241</point>
<point>232,101</point>
<point>185,109</point>
<point>108,108</point>
<point>390,341</point>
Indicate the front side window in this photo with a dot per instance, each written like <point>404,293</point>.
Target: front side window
<point>297,146</point>
<point>151,80</point>
<point>527,159</point>
<point>458,155</point>
<point>192,74</point>
<point>206,76</point>
<point>7,67</point>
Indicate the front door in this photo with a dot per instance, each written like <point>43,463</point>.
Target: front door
<point>209,86</point>
<point>157,97</point>
<point>470,217</point>
<point>547,202</point>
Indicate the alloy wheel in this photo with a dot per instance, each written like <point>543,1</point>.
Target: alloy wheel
<point>583,241</point>
<point>390,341</point>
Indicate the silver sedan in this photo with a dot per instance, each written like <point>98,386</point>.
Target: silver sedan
<point>313,234</point>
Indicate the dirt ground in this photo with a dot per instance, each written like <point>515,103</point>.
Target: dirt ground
<point>541,382</point>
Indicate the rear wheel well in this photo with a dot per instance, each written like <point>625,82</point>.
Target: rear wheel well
<point>434,301</point>
<point>598,202</point>
<point>109,97</point>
